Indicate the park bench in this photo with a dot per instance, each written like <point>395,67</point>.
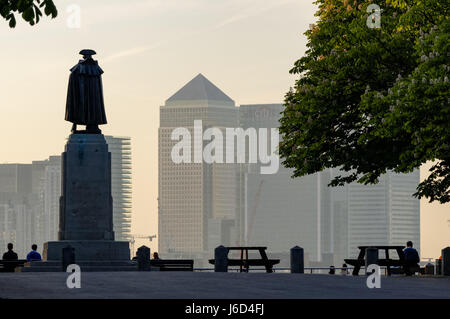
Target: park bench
<point>386,262</point>
<point>173,264</point>
<point>10,265</point>
<point>245,263</point>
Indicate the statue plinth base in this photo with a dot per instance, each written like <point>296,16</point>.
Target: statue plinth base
<point>86,211</point>
<point>86,250</point>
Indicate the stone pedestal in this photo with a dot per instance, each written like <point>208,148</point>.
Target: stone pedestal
<point>98,250</point>
<point>86,213</point>
<point>86,201</point>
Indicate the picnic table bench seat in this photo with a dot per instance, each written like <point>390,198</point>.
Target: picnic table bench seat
<point>355,262</point>
<point>173,264</point>
<point>250,262</point>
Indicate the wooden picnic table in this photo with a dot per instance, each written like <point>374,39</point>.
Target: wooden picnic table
<point>244,262</point>
<point>387,262</point>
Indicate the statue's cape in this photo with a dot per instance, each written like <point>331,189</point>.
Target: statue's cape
<point>85,104</point>
<point>89,67</point>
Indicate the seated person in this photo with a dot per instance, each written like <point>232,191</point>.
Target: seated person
<point>33,255</point>
<point>10,255</point>
<point>412,259</point>
<point>155,256</point>
<point>136,256</point>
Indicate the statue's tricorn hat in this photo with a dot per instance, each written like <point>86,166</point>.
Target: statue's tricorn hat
<point>87,52</point>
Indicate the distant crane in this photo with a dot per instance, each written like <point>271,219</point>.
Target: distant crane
<point>254,210</point>
<point>249,220</point>
<point>133,240</point>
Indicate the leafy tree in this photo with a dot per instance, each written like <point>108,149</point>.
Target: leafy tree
<point>372,100</point>
<point>29,9</point>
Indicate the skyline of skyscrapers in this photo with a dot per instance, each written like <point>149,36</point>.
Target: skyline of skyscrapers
<point>30,198</point>
<point>23,191</point>
<point>204,205</point>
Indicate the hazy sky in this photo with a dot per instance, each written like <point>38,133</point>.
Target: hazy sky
<point>148,50</point>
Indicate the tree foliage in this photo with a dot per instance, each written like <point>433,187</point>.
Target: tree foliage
<point>30,10</point>
<point>371,100</point>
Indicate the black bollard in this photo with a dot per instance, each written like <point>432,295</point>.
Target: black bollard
<point>297,260</point>
<point>68,257</point>
<point>143,257</point>
<point>221,259</point>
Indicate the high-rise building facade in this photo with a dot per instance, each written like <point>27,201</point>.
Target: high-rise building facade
<point>277,211</point>
<point>196,200</point>
<point>19,207</point>
<point>381,214</point>
<point>328,222</point>
<point>47,186</point>
<point>121,185</point>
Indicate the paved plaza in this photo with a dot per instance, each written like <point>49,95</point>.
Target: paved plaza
<point>196,285</point>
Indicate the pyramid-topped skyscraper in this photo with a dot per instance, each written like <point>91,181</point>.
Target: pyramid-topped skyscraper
<point>197,201</point>
<point>200,89</point>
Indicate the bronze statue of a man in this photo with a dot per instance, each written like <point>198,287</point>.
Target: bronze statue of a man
<point>85,105</point>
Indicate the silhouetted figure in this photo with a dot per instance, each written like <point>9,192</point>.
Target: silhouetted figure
<point>155,256</point>
<point>136,256</point>
<point>85,103</point>
<point>412,259</point>
<point>10,255</point>
<point>33,255</point>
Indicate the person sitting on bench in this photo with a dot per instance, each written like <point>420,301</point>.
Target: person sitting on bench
<point>33,255</point>
<point>411,259</point>
<point>10,255</point>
